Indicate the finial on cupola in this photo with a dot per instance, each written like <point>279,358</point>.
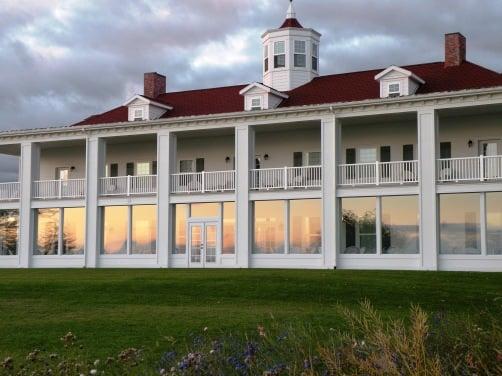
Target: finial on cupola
<point>291,11</point>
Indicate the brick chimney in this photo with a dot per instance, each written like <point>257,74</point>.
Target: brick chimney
<point>154,85</point>
<point>455,50</point>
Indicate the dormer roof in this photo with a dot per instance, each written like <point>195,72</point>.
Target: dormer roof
<point>147,101</point>
<point>264,88</point>
<point>402,71</point>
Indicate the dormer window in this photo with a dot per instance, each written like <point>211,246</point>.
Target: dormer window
<point>300,54</point>
<point>279,54</point>
<point>256,104</point>
<point>394,90</point>
<point>138,114</point>
<point>315,57</point>
<point>265,58</point>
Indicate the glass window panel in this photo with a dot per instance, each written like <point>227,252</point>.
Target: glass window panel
<point>494,223</point>
<point>400,225</point>
<point>305,226</point>
<point>367,155</point>
<point>359,225</point>
<point>73,231</point>
<point>209,210</point>
<point>144,229</point>
<point>115,229</point>
<point>460,223</point>
<point>268,227</point>
<point>9,230</point>
<point>143,168</point>
<point>228,228</point>
<point>300,60</point>
<point>186,166</point>
<point>315,158</point>
<point>47,232</point>
<point>279,48</point>
<point>180,212</point>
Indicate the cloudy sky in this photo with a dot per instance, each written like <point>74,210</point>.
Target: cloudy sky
<point>63,60</point>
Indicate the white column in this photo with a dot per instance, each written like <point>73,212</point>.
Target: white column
<point>95,169</point>
<point>29,171</point>
<point>427,155</point>
<point>166,165</point>
<point>330,150</point>
<point>244,153</point>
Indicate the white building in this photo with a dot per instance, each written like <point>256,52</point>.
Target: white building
<point>395,168</point>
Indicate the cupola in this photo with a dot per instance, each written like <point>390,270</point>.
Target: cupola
<point>290,54</point>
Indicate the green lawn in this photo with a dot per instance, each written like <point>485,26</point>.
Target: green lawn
<point>110,310</point>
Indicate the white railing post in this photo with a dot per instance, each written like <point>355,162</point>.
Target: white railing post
<point>285,178</point>
<point>377,172</point>
<point>203,174</point>
<point>60,188</point>
<point>128,185</point>
<point>482,167</point>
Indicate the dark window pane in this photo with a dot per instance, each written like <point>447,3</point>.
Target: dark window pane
<point>297,159</point>
<point>407,152</point>
<point>350,156</point>
<point>114,170</point>
<point>199,165</point>
<point>445,150</point>
<point>279,61</point>
<point>130,169</point>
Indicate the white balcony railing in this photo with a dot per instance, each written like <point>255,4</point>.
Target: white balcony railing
<point>128,185</point>
<point>469,169</point>
<point>378,173</point>
<point>286,178</point>
<point>58,189</point>
<point>9,191</point>
<point>203,182</point>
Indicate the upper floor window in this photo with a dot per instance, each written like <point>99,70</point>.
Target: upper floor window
<point>315,56</point>
<point>256,104</point>
<point>394,89</point>
<point>300,54</point>
<point>279,54</point>
<point>265,58</point>
<point>367,155</point>
<point>138,114</point>
<point>143,168</point>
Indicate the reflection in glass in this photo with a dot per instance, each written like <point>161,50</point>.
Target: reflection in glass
<point>144,229</point>
<point>9,230</point>
<point>180,214</point>
<point>268,227</point>
<point>494,223</point>
<point>115,223</point>
<point>400,225</point>
<point>305,226</point>
<point>47,232</point>
<point>460,223</point>
<point>211,210</point>
<point>228,228</point>
<point>359,225</point>
<point>73,231</point>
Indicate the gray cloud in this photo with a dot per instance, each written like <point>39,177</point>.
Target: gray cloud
<point>64,60</point>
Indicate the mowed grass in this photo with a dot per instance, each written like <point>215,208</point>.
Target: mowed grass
<point>110,310</point>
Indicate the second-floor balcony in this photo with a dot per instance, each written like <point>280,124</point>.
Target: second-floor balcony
<point>9,191</point>
<point>59,189</point>
<point>378,173</point>
<point>286,178</point>
<point>128,185</point>
<point>470,169</point>
<point>203,182</point>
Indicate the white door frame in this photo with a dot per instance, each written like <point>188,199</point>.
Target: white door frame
<point>203,223</point>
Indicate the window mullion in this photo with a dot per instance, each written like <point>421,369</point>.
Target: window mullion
<point>286,227</point>
<point>379,225</point>
<point>129,230</point>
<point>60,231</point>
<point>483,223</point>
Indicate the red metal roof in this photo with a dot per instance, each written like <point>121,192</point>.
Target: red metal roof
<point>291,22</point>
<point>346,87</point>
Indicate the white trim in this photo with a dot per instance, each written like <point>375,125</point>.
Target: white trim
<point>403,71</point>
<point>147,101</point>
<point>266,89</point>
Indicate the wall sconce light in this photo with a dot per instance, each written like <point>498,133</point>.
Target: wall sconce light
<point>72,168</point>
<point>227,159</point>
<point>266,157</point>
<point>470,143</point>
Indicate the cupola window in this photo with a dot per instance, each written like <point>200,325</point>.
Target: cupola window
<point>138,114</point>
<point>300,54</point>
<point>265,58</point>
<point>315,57</point>
<point>279,54</point>
<point>255,104</point>
<point>394,90</point>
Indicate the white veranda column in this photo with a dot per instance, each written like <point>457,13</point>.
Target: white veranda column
<point>29,171</point>
<point>244,152</point>
<point>166,165</point>
<point>331,141</point>
<point>95,169</point>
<point>427,154</point>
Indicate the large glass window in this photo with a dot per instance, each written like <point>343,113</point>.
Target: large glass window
<point>180,214</point>
<point>47,232</point>
<point>115,229</point>
<point>305,226</point>
<point>400,225</point>
<point>9,230</point>
<point>144,229</point>
<point>279,54</point>
<point>228,228</point>
<point>300,54</point>
<point>211,210</point>
<point>73,231</point>
<point>268,227</point>
<point>359,225</point>
<point>494,223</point>
<point>460,223</point>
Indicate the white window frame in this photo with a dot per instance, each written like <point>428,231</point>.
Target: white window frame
<point>279,53</point>
<point>191,166</point>
<point>394,93</point>
<point>266,60</point>
<point>309,154</point>
<point>302,51</point>
<point>254,107</point>
<point>359,150</point>
<point>138,114</point>
<point>315,57</point>
<point>140,165</point>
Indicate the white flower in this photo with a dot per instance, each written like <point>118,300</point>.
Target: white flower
<point>93,372</point>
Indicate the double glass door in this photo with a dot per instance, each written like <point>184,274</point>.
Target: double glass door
<point>203,243</point>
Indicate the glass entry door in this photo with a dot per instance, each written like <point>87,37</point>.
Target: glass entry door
<point>491,149</point>
<point>203,243</point>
